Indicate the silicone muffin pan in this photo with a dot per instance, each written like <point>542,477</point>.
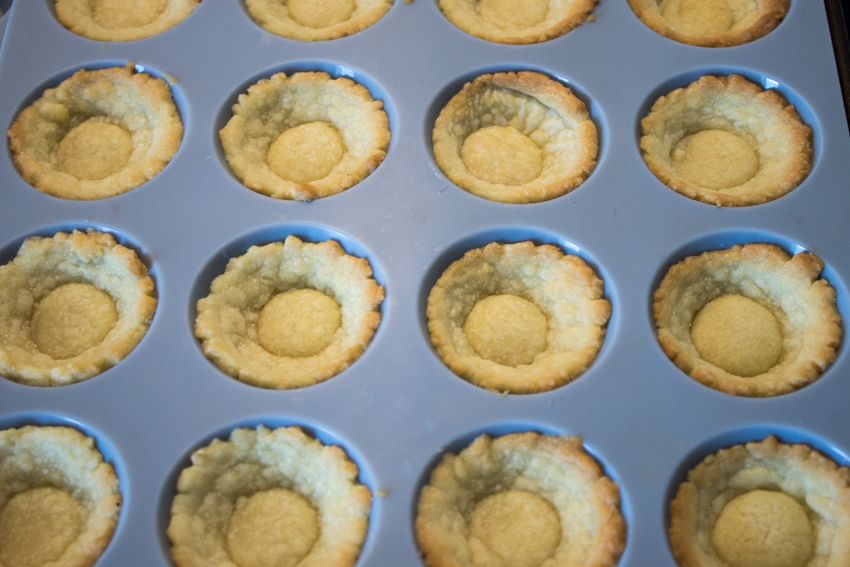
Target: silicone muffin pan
<point>398,408</point>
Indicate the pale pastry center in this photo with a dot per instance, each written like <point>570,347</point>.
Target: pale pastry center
<point>699,17</point>
<point>502,155</point>
<point>37,526</point>
<point>306,153</point>
<point>299,322</point>
<point>512,13</point>
<point>320,13</point>
<point>715,159</point>
<point>120,14</point>
<point>94,150</point>
<point>506,329</point>
<point>519,527</point>
<point>275,528</point>
<point>737,334</point>
<point>71,319</point>
<point>763,529</point>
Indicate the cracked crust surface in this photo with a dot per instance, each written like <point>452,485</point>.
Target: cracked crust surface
<point>562,286</point>
<point>46,264</point>
<point>789,287</point>
<point>764,120</point>
<point>819,487</point>
<point>40,466</point>
<point>122,20</point>
<point>135,103</point>
<point>225,476</point>
<point>514,22</point>
<point>711,23</point>
<point>553,470</point>
<point>532,106</point>
<point>228,318</point>
<point>316,20</point>
<point>278,104</point>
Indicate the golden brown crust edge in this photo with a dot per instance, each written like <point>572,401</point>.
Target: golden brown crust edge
<point>437,529</point>
<point>798,138</point>
<point>165,136</point>
<point>772,13</point>
<point>821,339</point>
<point>552,94</point>
<point>80,255</point>
<point>370,11</point>
<point>460,13</point>
<point>552,368</point>
<point>801,459</point>
<point>76,15</point>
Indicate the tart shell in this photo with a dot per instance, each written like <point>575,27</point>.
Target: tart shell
<point>539,107</point>
<point>76,15</point>
<point>274,17</point>
<point>787,286</point>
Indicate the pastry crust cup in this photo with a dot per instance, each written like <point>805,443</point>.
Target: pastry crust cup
<point>78,16</point>
<point>227,318</point>
<point>45,263</point>
<point>35,457</point>
<point>557,469</point>
<point>563,287</point>
<point>543,109</point>
<point>776,132</point>
<point>815,481</point>
<point>789,288</point>
<point>750,27</point>
<point>279,103</point>
<point>273,16</point>
<point>253,461</point>
<point>138,103</point>
<point>563,16</point>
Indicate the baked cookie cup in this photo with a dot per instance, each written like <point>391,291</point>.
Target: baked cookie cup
<point>518,318</point>
<point>515,138</point>
<point>290,314</point>
<point>763,504</point>
<point>305,136</point>
<point>316,20</point>
<point>749,320</point>
<point>269,498</point>
<point>122,20</point>
<point>59,501</point>
<point>505,21</point>
<point>727,142</point>
<point>71,306</point>
<point>98,134</point>
<point>523,500</point>
<point>711,23</point>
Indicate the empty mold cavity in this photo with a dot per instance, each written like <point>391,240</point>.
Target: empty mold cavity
<point>723,240</point>
<point>335,70</point>
<point>312,430</point>
<point>454,87</point>
<point>513,235</point>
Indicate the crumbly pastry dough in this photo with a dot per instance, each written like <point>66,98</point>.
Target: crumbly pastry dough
<point>518,318</point>
<point>59,502</point>
<point>763,504</point>
<point>98,134</point>
<point>290,314</point>
<point>269,498</point>
<point>122,20</point>
<point>523,500</point>
<point>71,306</point>
<point>316,20</point>
<point>711,23</point>
<point>727,142</point>
<point>507,21</point>
<point>305,136</point>
<point>789,299</point>
<point>515,138</point>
